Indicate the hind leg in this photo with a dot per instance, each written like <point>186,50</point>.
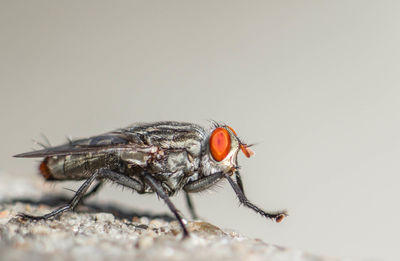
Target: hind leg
<point>70,206</point>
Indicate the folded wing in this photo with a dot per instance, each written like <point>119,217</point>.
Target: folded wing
<point>110,142</point>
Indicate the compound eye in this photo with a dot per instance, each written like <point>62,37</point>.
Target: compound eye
<point>220,143</point>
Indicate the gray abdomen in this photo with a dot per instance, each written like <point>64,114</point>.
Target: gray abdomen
<point>78,167</point>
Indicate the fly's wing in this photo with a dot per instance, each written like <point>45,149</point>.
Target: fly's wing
<point>145,137</point>
<point>106,143</point>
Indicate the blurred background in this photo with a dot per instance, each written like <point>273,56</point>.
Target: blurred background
<point>314,83</point>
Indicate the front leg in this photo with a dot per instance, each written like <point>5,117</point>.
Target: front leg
<point>239,181</point>
<point>277,216</point>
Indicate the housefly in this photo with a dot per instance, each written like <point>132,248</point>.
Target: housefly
<point>161,157</point>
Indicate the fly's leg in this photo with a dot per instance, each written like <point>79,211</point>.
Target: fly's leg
<point>80,194</point>
<point>122,180</point>
<point>71,205</point>
<point>93,191</point>
<point>190,206</point>
<point>156,186</point>
<point>277,216</point>
<point>203,183</point>
<point>208,181</point>
<point>239,181</point>
<point>197,186</point>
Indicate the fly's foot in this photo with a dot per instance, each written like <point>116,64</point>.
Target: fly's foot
<point>186,235</point>
<point>278,217</point>
<point>24,216</point>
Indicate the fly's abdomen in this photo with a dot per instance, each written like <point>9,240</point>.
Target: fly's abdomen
<point>75,167</point>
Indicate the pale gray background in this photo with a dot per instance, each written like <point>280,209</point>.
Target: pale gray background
<point>315,83</point>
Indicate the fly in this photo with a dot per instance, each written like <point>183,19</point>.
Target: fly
<point>161,157</point>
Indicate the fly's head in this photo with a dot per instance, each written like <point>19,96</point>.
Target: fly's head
<point>223,146</point>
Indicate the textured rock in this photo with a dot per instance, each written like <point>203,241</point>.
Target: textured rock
<point>92,234</point>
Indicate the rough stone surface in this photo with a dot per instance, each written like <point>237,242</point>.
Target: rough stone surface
<point>91,233</point>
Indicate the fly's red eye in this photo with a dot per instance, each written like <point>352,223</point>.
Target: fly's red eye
<point>220,143</point>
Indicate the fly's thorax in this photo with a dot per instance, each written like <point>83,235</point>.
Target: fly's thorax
<point>168,147</point>
<point>139,156</point>
<point>173,161</point>
<point>220,151</point>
